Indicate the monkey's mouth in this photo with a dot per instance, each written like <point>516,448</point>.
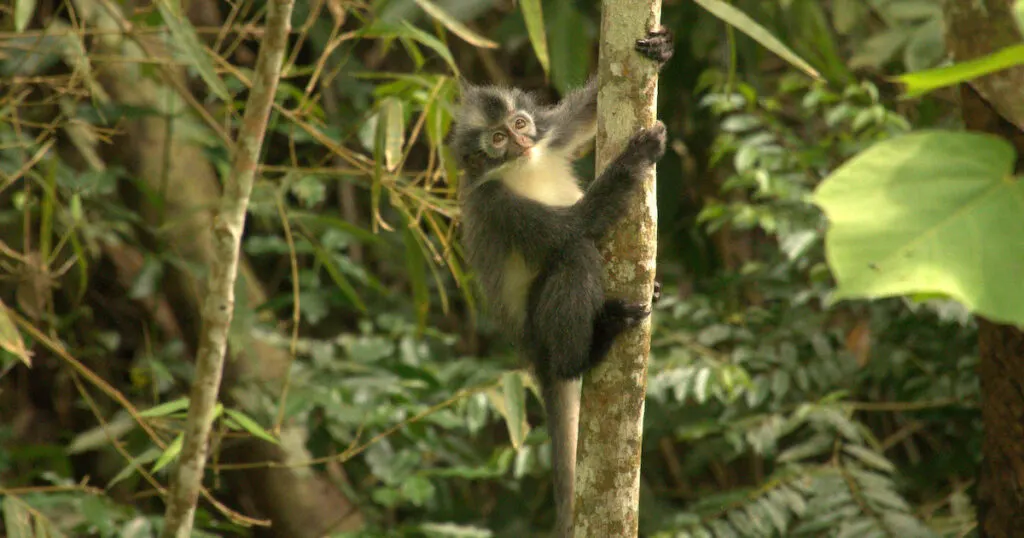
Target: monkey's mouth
<point>524,152</point>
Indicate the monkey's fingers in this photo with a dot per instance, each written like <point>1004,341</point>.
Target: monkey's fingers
<point>658,45</point>
<point>649,143</point>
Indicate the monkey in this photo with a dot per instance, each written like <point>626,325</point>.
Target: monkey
<point>530,234</point>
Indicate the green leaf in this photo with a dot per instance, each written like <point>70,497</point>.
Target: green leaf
<point>345,226</point>
<point>776,512</point>
<point>847,14</point>
<point>100,436</point>
<point>23,10</point>
<point>186,36</point>
<point>148,280</point>
<point>905,525</point>
<point>336,275</point>
<point>407,30</point>
<point>814,446</point>
<point>700,385</point>
<point>149,455</point>
<point>1018,15</point>
<point>927,46</point>
<point>515,404</point>
<point>870,458</point>
<point>879,48</point>
<point>10,338</point>
<point>452,530</point>
<point>169,454</point>
<point>922,82</point>
<point>455,26</point>
<point>745,24</point>
<point>533,15</point>
<point>571,46</point>
<point>392,121</point>
<point>856,528</point>
<point>17,518</point>
<point>251,426</point>
<point>418,490</point>
<point>510,403</point>
<point>914,10</point>
<point>930,212</point>
<point>416,269</point>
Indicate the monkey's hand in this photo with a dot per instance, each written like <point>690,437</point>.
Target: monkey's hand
<point>657,46</point>
<point>648,145</point>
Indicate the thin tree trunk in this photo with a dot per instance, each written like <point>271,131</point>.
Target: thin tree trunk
<point>995,104</point>
<point>219,305</point>
<point>612,407</point>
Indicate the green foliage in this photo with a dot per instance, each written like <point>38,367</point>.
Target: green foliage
<point>745,24</point>
<point>911,27</point>
<point>916,216</point>
<point>776,382</point>
<point>772,411</point>
<point>192,49</point>
<point>533,16</point>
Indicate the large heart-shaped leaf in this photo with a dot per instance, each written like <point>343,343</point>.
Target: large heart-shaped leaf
<point>926,213</point>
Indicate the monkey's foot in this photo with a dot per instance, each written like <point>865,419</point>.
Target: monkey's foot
<point>625,314</point>
<point>657,46</point>
<point>657,292</point>
<point>615,316</point>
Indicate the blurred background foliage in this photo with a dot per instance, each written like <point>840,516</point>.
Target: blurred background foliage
<point>367,395</point>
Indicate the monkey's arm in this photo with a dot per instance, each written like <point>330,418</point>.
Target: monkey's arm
<point>573,122</point>
<point>605,201</point>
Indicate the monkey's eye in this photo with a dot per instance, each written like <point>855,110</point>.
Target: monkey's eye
<point>520,124</point>
<point>498,139</point>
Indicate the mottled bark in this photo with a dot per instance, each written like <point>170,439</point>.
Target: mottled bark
<point>1000,494</point>
<point>978,27</point>
<point>228,226</point>
<point>995,104</point>
<point>611,422</point>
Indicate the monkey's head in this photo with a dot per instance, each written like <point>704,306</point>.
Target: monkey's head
<point>494,127</point>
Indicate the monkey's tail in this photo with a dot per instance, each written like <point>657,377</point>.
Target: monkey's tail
<point>562,400</point>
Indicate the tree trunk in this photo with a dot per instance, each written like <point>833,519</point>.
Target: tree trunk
<point>612,407</point>
<point>995,104</point>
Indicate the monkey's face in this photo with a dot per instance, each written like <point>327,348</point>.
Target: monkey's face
<point>511,139</point>
<point>495,127</point>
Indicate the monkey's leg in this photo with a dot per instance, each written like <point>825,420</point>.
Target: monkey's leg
<point>564,301</point>
<point>616,316</point>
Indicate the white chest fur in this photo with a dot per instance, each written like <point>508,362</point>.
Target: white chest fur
<point>544,177</point>
<point>515,287</point>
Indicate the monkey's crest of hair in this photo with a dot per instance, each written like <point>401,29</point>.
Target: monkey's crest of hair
<point>480,109</point>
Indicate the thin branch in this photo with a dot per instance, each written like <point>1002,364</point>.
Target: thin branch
<point>218,308</point>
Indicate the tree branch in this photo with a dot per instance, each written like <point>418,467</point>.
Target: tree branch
<point>228,225</point>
